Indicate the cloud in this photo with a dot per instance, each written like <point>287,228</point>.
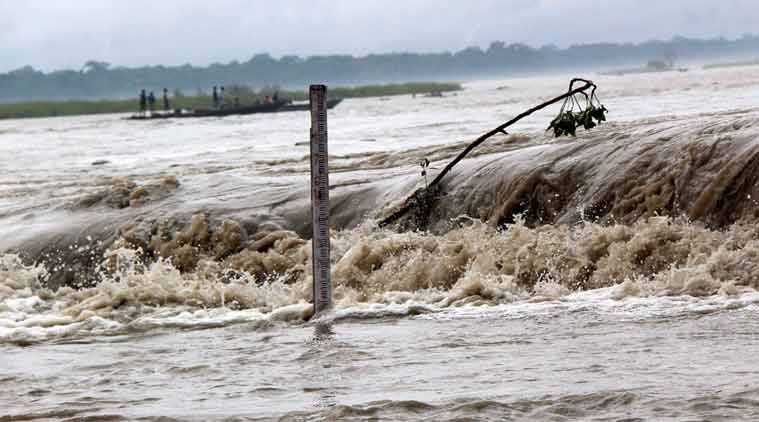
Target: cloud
<point>66,33</point>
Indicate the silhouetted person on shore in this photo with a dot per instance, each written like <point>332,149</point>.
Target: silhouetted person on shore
<point>237,102</point>
<point>143,102</point>
<point>276,96</point>
<point>215,98</point>
<point>151,102</point>
<point>166,104</point>
<point>221,97</point>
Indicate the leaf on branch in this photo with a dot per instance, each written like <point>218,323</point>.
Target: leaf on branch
<point>567,121</point>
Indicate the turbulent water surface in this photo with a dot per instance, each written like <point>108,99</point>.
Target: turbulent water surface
<point>608,277</point>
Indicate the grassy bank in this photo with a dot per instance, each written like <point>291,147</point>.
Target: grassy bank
<point>178,100</point>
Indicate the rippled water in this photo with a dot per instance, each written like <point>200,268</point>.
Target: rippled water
<point>674,359</point>
<point>647,319</point>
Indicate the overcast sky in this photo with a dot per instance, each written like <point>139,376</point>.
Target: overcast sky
<point>56,34</point>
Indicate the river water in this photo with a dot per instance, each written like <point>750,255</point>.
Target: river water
<point>171,283</point>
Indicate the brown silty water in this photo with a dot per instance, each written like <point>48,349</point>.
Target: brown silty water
<point>551,270</point>
<point>692,177</point>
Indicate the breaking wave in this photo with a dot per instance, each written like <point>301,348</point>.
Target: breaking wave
<point>654,208</point>
<point>378,273</point>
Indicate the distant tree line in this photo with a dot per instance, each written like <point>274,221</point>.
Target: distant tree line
<point>97,80</point>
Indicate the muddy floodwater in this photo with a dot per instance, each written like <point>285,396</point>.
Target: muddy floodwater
<point>160,270</point>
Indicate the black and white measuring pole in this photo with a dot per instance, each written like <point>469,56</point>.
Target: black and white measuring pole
<point>320,198</point>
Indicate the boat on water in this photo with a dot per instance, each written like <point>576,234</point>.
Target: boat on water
<point>305,106</point>
<point>274,107</point>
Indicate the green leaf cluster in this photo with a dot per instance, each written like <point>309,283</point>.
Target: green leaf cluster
<point>567,121</point>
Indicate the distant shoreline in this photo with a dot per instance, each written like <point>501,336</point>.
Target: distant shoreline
<point>99,79</point>
<point>742,63</point>
<point>653,66</point>
<point>245,95</point>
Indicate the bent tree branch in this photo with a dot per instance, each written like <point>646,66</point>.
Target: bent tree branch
<point>422,200</point>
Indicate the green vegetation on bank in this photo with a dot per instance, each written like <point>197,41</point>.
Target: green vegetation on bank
<point>245,95</point>
<point>754,62</point>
